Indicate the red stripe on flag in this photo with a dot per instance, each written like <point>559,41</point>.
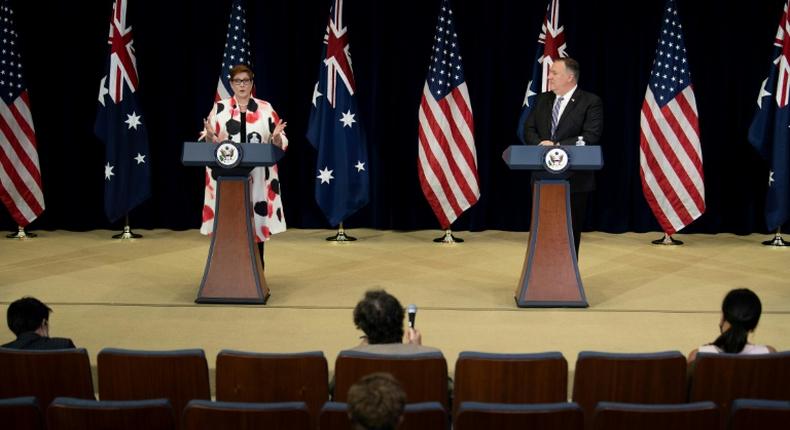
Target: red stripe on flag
<point>433,163</point>
<point>661,177</point>
<point>670,144</point>
<point>451,145</point>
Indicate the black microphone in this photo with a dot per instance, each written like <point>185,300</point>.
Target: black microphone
<point>412,311</point>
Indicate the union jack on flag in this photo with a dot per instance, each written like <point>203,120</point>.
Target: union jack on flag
<point>770,129</point>
<point>119,124</point>
<point>20,176</point>
<point>447,158</point>
<point>342,182</point>
<point>670,154</point>
<point>551,45</point>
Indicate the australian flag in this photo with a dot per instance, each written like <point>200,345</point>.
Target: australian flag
<point>551,45</point>
<point>770,129</point>
<point>120,124</point>
<point>342,182</point>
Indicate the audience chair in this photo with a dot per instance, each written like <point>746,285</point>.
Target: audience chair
<point>682,416</point>
<point>67,413</point>
<point>423,375</point>
<point>650,378</point>
<point>206,415</point>
<point>416,416</point>
<point>45,374</point>
<point>722,378</point>
<point>509,416</point>
<point>750,414</point>
<point>21,413</point>
<point>179,376</point>
<point>254,377</point>
<point>510,378</point>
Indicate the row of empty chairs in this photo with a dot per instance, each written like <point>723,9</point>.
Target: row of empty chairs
<point>66,413</point>
<point>181,376</point>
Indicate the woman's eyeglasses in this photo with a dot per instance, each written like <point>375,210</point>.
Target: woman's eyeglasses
<point>241,81</point>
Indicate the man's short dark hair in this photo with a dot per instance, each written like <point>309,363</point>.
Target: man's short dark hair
<point>380,316</point>
<point>26,314</point>
<point>376,402</point>
<point>572,66</point>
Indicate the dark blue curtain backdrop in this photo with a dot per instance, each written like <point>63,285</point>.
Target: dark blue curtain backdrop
<point>179,47</point>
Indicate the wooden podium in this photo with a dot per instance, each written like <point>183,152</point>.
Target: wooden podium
<point>234,271</point>
<point>550,275</point>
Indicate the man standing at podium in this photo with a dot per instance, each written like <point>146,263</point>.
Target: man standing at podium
<point>561,117</point>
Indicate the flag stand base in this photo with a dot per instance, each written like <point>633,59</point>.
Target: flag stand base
<point>667,240</point>
<point>127,234</point>
<point>341,235</point>
<point>448,238</point>
<point>776,241</point>
<point>21,234</point>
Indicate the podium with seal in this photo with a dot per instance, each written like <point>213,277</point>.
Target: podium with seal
<point>234,271</point>
<point>550,274</point>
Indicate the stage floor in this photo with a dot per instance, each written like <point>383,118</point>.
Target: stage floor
<point>139,294</point>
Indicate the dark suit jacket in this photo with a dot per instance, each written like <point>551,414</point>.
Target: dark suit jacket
<point>31,340</point>
<point>583,116</point>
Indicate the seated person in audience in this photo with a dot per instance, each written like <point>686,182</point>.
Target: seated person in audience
<point>376,402</point>
<point>28,318</point>
<point>740,313</point>
<point>380,316</point>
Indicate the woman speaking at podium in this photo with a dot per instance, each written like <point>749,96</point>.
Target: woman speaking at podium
<point>243,118</point>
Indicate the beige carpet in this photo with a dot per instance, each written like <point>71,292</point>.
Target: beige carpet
<point>139,294</point>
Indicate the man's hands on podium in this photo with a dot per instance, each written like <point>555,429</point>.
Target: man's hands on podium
<point>546,143</point>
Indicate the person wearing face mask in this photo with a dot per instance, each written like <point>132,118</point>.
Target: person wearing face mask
<point>28,319</point>
<point>740,313</point>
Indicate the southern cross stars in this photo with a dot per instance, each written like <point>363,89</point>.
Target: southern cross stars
<point>348,119</point>
<point>325,175</point>
<point>133,120</point>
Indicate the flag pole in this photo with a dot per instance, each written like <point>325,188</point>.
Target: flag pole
<point>777,240</point>
<point>127,231</point>
<point>448,238</point>
<point>341,235</point>
<point>21,234</point>
<point>667,240</point>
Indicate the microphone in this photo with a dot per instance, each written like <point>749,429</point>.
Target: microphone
<point>412,311</point>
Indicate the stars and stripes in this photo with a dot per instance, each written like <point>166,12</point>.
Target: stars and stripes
<point>237,48</point>
<point>120,124</point>
<point>447,159</point>
<point>670,156</point>
<point>551,45</point>
<point>20,176</point>
<point>342,182</point>
<point>769,132</point>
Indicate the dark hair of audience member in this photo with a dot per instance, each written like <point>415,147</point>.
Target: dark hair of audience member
<point>26,315</point>
<point>380,316</point>
<point>376,402</point>
<point>741,308</point>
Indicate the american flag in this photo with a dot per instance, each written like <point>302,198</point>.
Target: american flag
<point>342,181</point>
<point>551,45</point>
<point>237,48</point>
<point>770,129</point>
<point>120,124</point>
<point>670,158</point>
<point>447,159</point>
<point>20,176</point>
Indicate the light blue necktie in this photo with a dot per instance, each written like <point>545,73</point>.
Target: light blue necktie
<point>555,115</point>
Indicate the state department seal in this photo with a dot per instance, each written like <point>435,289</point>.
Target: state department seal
<point>228,154</point>
<point>556,160</point>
